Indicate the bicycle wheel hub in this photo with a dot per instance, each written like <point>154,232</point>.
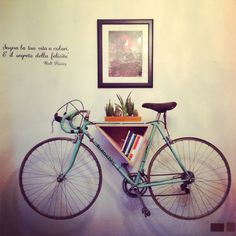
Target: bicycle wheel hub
<point>61,178</point>
<point>191,177</point>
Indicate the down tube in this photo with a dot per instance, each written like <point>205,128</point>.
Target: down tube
<point>109,158</point>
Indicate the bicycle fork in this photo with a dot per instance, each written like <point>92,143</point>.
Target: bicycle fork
<point>77,143</point>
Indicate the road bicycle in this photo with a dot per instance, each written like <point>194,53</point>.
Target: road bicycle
<point>60,178</point>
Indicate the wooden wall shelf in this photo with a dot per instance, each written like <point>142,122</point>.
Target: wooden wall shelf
<point>116,134</point>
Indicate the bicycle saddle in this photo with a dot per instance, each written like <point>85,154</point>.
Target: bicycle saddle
<point>160,107</point>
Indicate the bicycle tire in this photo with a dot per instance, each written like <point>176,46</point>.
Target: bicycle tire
<point>208,191</point>
<point>38,179</point>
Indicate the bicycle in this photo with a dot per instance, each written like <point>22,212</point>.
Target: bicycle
<point>60,178</point>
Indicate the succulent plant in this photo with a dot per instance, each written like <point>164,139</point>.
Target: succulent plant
<point>117,111</point>
<point>129,106</point>
<point>124,108</point>
<point>109,109</point>
<point>123,105</point>
<point>135,112</point>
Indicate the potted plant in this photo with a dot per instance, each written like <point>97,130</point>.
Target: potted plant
<point>122,111</point>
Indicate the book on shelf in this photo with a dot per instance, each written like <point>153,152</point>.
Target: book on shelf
<point>126,142</point>
<point>135,147</point>
<point>131,144</point>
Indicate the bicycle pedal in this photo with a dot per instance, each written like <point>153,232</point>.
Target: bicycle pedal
<point>146,211</point>
<point>187,191</point>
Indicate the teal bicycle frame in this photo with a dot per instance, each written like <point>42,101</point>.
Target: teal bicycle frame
<point>136,183</point>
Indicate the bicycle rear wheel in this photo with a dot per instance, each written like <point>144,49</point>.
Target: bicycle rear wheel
<point>46,193</point>
<point>210,172</point>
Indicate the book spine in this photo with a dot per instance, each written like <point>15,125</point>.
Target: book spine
<point>130,144</point>
<point>133,146</point>
<point>136,147</point>
<point>126,141</point>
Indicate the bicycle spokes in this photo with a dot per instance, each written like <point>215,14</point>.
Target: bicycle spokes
<point>50,191</point>
<point>205,187</point>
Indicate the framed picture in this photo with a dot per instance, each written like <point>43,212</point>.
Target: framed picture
<point>125,53</point>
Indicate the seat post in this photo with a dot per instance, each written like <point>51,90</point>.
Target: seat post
<point>165,126</point>
<point>158,116</point>
<point>165,120</point>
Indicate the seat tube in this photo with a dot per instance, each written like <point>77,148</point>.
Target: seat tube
<point>153,131</point>
<point>173,151</point>
<point>150,139</point>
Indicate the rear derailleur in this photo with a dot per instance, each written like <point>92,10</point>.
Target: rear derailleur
<point>185,186</point>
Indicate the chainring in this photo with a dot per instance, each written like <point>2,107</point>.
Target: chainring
<point>131,190</point>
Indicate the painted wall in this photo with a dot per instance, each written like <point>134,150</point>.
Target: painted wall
<point>194,64</point>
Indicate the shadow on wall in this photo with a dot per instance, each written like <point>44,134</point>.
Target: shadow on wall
<point>162,224</point>
<point>18,219</point>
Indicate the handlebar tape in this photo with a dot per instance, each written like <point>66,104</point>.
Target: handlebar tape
<point>57,118</point>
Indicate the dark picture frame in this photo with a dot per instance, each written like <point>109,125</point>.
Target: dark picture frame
<point>125,53</point>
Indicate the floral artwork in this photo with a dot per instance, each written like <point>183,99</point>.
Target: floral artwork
<point>125,53</point>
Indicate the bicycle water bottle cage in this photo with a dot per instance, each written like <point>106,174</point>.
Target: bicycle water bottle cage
<point>160,107</point>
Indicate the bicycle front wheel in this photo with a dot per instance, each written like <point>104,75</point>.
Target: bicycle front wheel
<point>51,196</point>
<point>209,186</point>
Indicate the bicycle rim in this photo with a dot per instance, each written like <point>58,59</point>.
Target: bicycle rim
<point>39,184</point>
<point>211,183</point>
